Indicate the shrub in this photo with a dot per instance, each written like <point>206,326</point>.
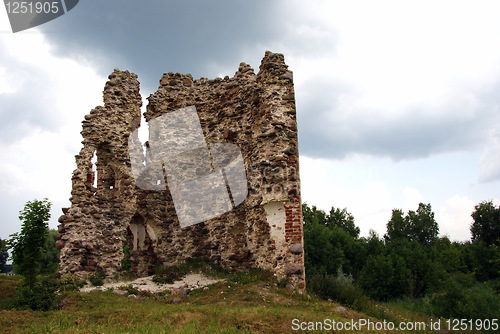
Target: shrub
<point>39,297</point>
<point>167,277</point>
<point>476,302</point>
<point>339,289</point>
<point>97,278</point>
<point>126,263</point>
<point>70,283</point>
<point>283,282</point>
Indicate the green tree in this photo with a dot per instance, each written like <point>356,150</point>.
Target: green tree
<point>373,244</point>
<point>397,227</point>
<point>376,278</point>
<point>342,219</point>
<point>417,226</point>
<point>422,270</point>
<point>331,242</point>
<point>49,262</point>
<point>423,227</point>
<point>4,255</point>
<point>313,215</point>
<point>28,245</point>
<point>320,254</point>
<point>486,225</point>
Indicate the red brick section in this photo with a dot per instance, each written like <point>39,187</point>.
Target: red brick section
<point>293,224</point>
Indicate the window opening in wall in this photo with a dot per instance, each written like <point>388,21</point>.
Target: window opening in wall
<point>94,168</point>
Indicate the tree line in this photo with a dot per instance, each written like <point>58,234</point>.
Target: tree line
<point>411,260</point>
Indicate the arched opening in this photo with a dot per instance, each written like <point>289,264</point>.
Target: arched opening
<point>141,241</point>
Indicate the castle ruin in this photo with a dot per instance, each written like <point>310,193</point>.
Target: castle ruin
<point>109,207</point>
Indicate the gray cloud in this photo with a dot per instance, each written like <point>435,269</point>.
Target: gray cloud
<point>152,37</point>
<point>197,37</point>
<point>28,108</point>
<point>205,38</point>
<point>326,130</point>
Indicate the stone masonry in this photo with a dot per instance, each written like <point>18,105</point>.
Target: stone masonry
<point>108,209</point>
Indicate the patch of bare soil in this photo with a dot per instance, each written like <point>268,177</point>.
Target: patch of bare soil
<point>190,281</point>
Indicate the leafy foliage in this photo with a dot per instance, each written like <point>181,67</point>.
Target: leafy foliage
<point>97,278</point>
<point>417,226</point>
<point>333,287</point>
<point>28,245</point>
<point>4,255</point>
<point>331,242</point>
<point>449,279</point>
<point>41,296</point>
<point>49,262</point>
<point>126,263</point>
<point>486,226</point>
<point>464,299</point>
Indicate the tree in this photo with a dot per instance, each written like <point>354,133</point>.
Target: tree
<point>3,256</point>
<point>376,278</point>
<point>27,246</point>
<point>49,262</point>
<point>486,225</point>
<point>397,227</point>
<point>417,226</point>
<point>423,226</point>
<point>343,220</point>
<point>321,256</point>
<point>313,215</point>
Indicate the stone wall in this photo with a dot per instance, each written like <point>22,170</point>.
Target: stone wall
<point>255,112</point>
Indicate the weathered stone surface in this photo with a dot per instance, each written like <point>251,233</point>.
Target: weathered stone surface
<point>296,248</point>
<point>255,112</point>
<point>294,268</point>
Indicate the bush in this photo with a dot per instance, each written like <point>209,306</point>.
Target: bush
<point>39,297</point>
<point>70,283</point>
<point>476,302</point>
<point>126,263</point>
<point>339,289</point>
<point>97,278</point>
<point>167,277</point>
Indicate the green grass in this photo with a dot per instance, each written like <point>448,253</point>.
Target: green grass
<point>243,303</point>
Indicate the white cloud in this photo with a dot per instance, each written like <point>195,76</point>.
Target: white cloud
<point>5,85</point>
<point>326,183</point>
<point>379,78</point>
<point>490,160</point>
<point>454,217</point>
<point>401,54</point>
<point>411,199</point>
<point>39,162</point>
<point>415,71</point>
<point>372,207</point>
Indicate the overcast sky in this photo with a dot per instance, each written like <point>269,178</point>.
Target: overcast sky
<point>398,102</point>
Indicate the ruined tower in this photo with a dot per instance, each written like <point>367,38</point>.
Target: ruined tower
<point>110,206</point>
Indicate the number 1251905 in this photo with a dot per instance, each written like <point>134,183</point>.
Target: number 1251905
<point>24,7</point>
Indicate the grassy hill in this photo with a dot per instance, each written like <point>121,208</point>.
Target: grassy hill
<point>230,306</point>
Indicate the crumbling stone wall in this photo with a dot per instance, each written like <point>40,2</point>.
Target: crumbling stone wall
<point>256,112</point>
